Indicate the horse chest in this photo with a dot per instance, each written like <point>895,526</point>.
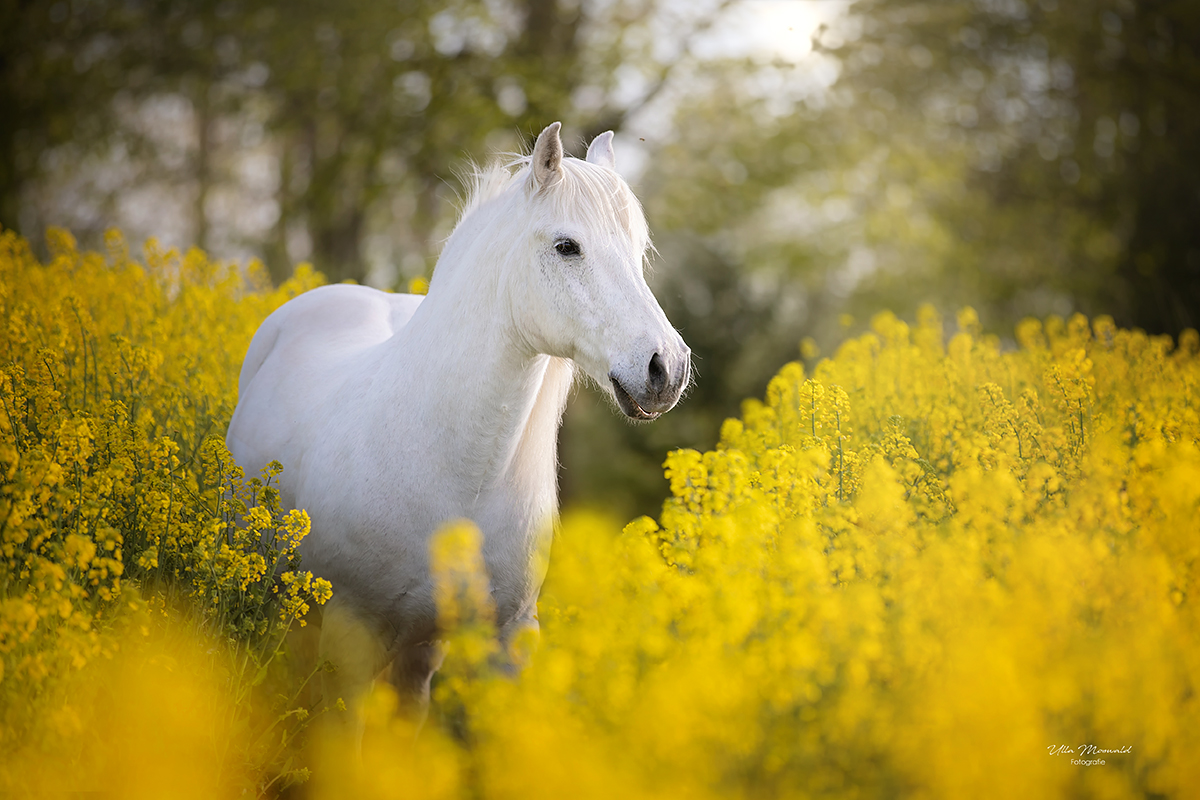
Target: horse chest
<point>372,528</point>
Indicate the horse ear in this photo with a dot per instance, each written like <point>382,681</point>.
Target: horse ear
<point>546,160</point>
<point>600,151</point>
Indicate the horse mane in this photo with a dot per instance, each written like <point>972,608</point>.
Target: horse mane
<point>586,189</point>
<point>485,182</point>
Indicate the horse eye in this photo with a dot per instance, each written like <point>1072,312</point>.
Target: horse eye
<point>567,247</point>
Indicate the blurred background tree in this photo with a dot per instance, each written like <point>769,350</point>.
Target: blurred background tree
<point>320,132</point>
<point>1026,157</point>
<point>1072,128</point>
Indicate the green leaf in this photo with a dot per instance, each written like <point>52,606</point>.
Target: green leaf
<point>260,676</point>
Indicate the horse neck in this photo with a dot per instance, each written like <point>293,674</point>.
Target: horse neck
<point>498,403</point>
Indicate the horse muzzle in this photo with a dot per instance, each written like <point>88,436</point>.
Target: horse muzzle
<point>651,395</point>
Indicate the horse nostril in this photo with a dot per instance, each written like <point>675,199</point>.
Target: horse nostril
<point>658,374</point>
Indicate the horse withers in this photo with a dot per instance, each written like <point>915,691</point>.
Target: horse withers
<point>393,414</point>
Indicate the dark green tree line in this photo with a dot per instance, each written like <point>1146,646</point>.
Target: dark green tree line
<point>1075,127</point>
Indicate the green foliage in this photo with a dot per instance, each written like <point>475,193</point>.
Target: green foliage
<point>1026,158</point>
<point>1073,122</point>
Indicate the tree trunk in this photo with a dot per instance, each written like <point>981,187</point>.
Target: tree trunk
<point>279,261</point>
<point>336,251</point>
<point>203,167</point>
<point>10,187</point>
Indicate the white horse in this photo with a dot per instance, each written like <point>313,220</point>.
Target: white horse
<point>393,414</point>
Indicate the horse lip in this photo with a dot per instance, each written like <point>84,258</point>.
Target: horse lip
<point>629,405</point>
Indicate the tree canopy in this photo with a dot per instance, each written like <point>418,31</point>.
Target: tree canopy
<point>362,110</point>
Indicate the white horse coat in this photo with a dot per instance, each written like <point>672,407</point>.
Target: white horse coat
<point>393,414</point>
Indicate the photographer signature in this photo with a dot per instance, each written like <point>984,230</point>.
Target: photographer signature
<point>1086,750</point>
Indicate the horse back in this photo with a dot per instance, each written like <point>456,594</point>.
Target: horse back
<point>329,318</point>
<point>297,360</point>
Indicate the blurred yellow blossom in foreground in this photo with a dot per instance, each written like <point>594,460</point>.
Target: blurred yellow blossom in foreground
<point>932,568</point>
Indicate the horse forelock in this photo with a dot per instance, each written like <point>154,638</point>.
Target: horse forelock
<point>586,191</point>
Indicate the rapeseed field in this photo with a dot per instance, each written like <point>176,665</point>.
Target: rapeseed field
<point>938,564</point>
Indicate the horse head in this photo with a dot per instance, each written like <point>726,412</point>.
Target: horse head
<point>582,291</point>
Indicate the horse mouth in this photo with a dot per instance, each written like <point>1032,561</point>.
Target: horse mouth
<point>629,405</point>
